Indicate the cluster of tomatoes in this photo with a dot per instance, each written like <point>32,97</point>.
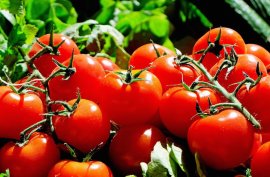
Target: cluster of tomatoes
<point>215,99</point>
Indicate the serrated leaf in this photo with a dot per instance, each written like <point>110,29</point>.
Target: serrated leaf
<point>16,36</point>
<point>30,32</point>
<point>13,6</point>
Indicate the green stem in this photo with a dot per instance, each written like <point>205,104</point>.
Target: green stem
<point>229,96</point>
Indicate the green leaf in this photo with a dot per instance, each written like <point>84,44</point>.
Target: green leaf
<point>13,6</point>
<point>30,32</point>
<point>161,165</point>
<point>251,17</point>
<point>9,16</point>
<point>176,154</point>
<point>159,26</point>
<point>5,174</point>
<point>3,45</point>
<point>37,9</point>
<point>16,36</point>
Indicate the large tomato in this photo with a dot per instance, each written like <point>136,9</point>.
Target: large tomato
<point>68,168</point>
<point>133,145</point>
<point>128,103</point>
<point>170,73</point>
<point>246,63</point>
<point>178,107</point>
<point>260,161</point>
<point>86,80</point>
<point>256,100</point>
<point>228,36</point>
<point>222,141</point>
<point>143,56</point>
<point>259,52</point>
<point>45,63</point>
<point>107,64</point>
<point>18,111</point>
<point>34,159</point>
<point>85,128</point>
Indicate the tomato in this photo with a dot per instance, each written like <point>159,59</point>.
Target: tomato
<point>228,36</point>
<point>67,168</point>
<point>85,128</point>
<point>128,103</point>
<point>247,63</point>
<point>18,111</point>
<point>259,52</point>
<point>265,137</point>
<point>132,145</point>
<point>260,161</point>
<point>86,80</point>
<point>222,141</point>
<point>107,64</point>
<point>178,108</point>
<point>35,82</point>
<point>256,100</point>
<point>33,159</point>
<point>169,73</point>
<point>145,54</point>
<point>45,63</point>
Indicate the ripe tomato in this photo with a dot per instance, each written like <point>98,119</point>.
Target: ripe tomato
<point>34,159</point>
<point>247,63</point>
<point>228,36</point>
<point>145,54</point>
<point>17,112</point>
<point>86,79</point>
<point>256,100</point>
<point>85,129</point>
<point>68,168</point>
<point>170,73</point>
<point>259,52</point>
<point>107,64</point>
<point>45,63</point>
<point>130,103</point>
<point>178,108</point>
<point>260,161</point>
<point>132,145</point>
<point>223,141</point>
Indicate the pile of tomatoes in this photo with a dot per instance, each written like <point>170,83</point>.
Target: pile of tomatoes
<point>81,115</point>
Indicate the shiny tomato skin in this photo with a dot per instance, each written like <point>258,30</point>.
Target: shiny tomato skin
<point>144,55</point>
<point>133,103</point>
<point>17,112</point>
<point>34,159</point>
<point>68,168</point>
<point>222,141</point>
<point>85,129</point>
<point>260,52</point>
<point>228,36</point>
<point>169,73</point>
<point>86,80</point>
<point>178,108</point>
<point>256,100</point>
<point>260,161</point>
<point>45,63</point>
<point>107,64</point>
<point>132,145</point>
<point>247,63</point>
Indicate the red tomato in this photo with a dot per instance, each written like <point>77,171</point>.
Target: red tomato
<point>228,36</point>
<point>265,137</point>
<point>223,141</point>
<point>130,103</point>
<point>256,100</point>
<point>143,56</point>
<point>260,161</point>
<point>247,63</point>
<point>17,112</point>
<point>45,63</point>
<point>169,73</point>
<point>34,159</point>
<point>132,145</point>
<point>86,127</point>
<point>178,108</point>
<point>86,79</point>
<point>68,168</point>
<point>107,64</point>
<point>35,82</point>
<point>259,52</point>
